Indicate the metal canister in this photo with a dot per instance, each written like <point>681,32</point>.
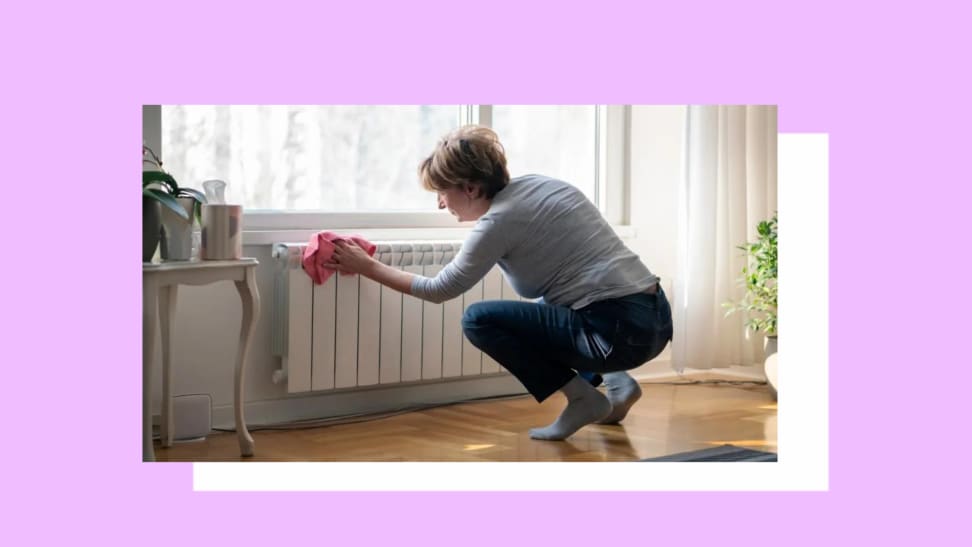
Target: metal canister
<point>222,232</point>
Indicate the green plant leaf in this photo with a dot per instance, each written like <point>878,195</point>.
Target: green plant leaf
<point>758,277</point>
<point>194,194</point>
<point>160,185</point>
<point>167,200</point>
<point>149,177</point>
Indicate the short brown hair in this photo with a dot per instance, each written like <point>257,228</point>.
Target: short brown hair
<point>471,154</point>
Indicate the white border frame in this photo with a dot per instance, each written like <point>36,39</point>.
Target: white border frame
<point>803,415</point>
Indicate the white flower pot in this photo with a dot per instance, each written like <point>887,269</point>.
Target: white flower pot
<point>770,366</point>
<point>769,345</point>
<point>177,232</point>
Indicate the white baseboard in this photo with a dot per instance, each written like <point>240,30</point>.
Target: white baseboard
<point>369,400</point>
<point>662,369</point>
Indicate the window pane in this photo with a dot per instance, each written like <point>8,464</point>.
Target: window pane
<point>557,141</point>
<point>307,158</point>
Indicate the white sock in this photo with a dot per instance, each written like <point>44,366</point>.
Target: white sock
<point>585,405</point>
<point>623,391</point>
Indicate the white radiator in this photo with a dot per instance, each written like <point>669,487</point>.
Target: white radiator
<point>351,332</point>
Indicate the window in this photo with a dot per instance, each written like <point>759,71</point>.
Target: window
<point>289,165</point>
<point>558,141</point>
<point>307,158</point>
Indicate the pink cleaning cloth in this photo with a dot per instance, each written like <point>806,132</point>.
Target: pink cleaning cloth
<point>319,250</point>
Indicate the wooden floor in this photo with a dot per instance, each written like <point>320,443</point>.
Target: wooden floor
<point>667,419</point>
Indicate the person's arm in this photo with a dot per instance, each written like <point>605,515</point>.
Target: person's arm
<point>348,257</point>
<point>480,251</point>
<point>399,280</point>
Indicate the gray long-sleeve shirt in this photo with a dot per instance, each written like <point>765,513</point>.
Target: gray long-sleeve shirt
<point>550,241</point>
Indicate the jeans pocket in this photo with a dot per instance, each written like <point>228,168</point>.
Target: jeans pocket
<point>636,336</point>
<point>604,340</point>
<point>636,345</point>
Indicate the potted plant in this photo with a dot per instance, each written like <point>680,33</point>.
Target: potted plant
<point>759,278</point>
<point>167,208</point>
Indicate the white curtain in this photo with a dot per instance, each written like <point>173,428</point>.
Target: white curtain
<point>728,187</point>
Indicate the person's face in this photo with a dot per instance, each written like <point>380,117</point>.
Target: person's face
<point>459,201</point>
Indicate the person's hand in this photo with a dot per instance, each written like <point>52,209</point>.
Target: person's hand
<point>348,257</point>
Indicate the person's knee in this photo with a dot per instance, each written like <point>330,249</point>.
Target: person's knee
<point>482,319</point>
<point>475,317</point>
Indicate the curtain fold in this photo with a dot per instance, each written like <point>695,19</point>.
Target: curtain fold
<point>728,187</point>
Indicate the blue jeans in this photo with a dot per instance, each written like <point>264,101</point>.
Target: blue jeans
<point>542,345</point>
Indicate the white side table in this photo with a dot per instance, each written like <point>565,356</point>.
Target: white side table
<point>160,284</point>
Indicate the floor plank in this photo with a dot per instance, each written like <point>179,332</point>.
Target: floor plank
<point>668,418</point>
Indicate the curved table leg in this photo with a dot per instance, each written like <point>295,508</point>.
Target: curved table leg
<point>251,310</point>
<point>150,303</point>
<point>167,312</point>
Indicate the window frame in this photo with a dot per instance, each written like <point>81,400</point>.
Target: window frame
<point>612,183</point>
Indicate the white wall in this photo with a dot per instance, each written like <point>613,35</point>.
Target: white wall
<point>656,159</point>
<point>207,326</point>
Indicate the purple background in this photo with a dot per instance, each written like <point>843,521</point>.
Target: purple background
<point>886,82</point>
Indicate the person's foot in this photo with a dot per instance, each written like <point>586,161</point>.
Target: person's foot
<point>585,405</point>
<point>622,391</point>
